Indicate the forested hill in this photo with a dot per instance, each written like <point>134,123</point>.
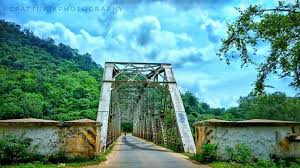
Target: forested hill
<point>43,80</point>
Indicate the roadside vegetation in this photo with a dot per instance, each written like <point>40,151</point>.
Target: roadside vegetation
<point>15,152</point>
<point>240,156</point>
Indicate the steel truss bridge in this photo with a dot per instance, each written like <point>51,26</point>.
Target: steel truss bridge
<point>146,95</point>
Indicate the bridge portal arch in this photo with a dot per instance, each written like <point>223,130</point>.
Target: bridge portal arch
<point>146,95</point>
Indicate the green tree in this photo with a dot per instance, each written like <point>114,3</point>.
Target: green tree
<point>275,106</point>
<point>279,29</point>
<point>191,103</point>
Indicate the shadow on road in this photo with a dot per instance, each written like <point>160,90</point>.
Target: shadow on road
<point>136,147</point>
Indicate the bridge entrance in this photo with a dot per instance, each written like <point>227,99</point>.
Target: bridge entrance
<point>145,95</point>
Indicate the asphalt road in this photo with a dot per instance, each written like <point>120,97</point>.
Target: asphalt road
<point>132,152</point>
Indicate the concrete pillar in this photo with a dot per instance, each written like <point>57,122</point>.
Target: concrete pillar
<point>181,118</point>
<point>104,103</point>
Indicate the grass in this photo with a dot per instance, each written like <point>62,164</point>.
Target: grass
<point>253,165</point>
<point>226,165</point>
<point>33,165</point>
<point>77,163</point>
<point>241,157</point>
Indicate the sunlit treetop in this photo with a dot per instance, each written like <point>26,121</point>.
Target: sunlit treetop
<point>279,29</point>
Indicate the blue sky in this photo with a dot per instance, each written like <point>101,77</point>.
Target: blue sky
<point>186,33</point>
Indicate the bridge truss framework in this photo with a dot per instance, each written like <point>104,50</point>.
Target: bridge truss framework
<point>146,95</point>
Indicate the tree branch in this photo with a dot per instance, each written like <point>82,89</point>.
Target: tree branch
<point>279,10</point>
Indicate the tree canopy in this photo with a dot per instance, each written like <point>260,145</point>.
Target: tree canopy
<point>276,28</point>
<point>272,106</point>
<point>275,106</point>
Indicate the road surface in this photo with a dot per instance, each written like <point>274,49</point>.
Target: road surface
<point>133,152</point>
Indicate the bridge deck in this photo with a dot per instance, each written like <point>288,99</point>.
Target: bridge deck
<point>133,152</point>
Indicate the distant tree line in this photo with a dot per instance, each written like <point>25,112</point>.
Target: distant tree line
<point>274,106</point>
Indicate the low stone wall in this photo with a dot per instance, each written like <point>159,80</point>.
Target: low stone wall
<point>78,138</point>
<point>266,138</point>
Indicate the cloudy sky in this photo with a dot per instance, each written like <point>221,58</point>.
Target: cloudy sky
<point>186,33</point>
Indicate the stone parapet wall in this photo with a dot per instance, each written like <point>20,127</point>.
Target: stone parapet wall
<point>78,138</point>
<point>266,138</point>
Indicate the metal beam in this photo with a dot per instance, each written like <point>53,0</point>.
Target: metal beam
<point>137,81</point>
<point>141,63</point>
<point>155,72</point>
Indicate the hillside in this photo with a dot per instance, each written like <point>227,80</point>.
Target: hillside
<point>43,80</point>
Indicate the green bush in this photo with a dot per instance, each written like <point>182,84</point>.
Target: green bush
<point>265,164</point>
<point>242,157</point>
<point>208,153</point>
<point>294,165</point>
<point>243,153</point>
<point>230,152</point>
<point>15,149</point>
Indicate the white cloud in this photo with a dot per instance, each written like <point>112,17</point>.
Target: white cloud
<point>57,31</point>
<point>83,41</point>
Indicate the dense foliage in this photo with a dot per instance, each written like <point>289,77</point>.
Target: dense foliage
<point>275,106</point>
<point>13,150</point>
<point>275,28</point>
<point>208,153</point>
<point>43,80</point>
